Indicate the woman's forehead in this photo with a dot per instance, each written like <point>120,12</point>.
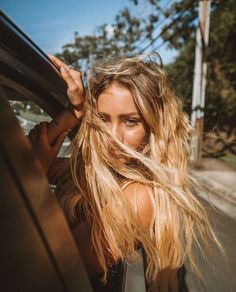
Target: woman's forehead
<point>116,98</point>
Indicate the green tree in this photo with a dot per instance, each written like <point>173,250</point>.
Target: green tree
<point>220,108</point>
<point>220,92</point>
<point>172,23</point>
<point>116,39</point>
<point>128,34</point>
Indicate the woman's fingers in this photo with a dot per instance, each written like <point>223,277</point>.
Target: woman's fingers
<point>34,131</point>
<point>76,75</point>
<point>46,151</point>
<point>75,86</point>
<point>58,62</point>
<point>68,78</point>
<point>78,79</point>
<point>43,138</point>
<point>74,80</point>
<point>33,134</point>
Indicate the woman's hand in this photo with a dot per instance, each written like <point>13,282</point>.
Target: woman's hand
<point>44,151</point>
<point>71,117</point>
<point>76,90</point>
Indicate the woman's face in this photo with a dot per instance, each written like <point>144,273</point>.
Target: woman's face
<point>117,109</point>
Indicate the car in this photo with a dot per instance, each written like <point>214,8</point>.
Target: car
<point>38,251</point>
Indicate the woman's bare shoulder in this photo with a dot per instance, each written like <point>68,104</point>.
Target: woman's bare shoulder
<point>138,195</point>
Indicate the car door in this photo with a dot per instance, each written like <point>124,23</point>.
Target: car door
<point>38,252</point>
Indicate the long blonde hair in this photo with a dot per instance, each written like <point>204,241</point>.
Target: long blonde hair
<point>98,180</point>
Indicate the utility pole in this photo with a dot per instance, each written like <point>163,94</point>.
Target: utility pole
<point>199,82</point>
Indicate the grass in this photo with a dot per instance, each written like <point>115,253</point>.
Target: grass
<point>229,158</point>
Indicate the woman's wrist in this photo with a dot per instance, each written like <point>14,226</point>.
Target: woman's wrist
<point>76,110</point>
<point>66,121</point>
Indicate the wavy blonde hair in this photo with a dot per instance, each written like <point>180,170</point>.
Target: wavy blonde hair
<point>178,219</point>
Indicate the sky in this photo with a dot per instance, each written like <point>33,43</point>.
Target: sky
<point>51,24</point>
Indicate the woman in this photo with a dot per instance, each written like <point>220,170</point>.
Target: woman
<point>128,169</point>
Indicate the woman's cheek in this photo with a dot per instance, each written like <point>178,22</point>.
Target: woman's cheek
<point>134,137</point>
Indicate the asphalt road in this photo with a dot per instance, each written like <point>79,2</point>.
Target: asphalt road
<point>220,274</point>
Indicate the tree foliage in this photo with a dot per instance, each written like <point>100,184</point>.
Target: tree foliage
<point>220,107</point>
<point>173,22</point>
<point>116,39</point>
<point>134,31</point>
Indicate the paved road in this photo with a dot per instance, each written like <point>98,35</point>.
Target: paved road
<point>219,276</point>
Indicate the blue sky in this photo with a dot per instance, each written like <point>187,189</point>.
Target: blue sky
<point>51,24</point>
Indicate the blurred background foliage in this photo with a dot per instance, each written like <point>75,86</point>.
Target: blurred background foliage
<point>173,23</point>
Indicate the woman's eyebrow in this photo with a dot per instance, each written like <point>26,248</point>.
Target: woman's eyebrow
<point>103,114</point>
<point>121,115</point>
<point>128,114</point>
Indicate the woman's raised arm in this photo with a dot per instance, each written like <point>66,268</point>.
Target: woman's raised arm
<point>70,118</point>
<point>47,138</point>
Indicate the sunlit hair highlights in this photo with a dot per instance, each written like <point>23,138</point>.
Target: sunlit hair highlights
<point>178,218</point>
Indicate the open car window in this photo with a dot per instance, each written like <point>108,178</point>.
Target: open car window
<point>34,232</point>
<point>29,114</point>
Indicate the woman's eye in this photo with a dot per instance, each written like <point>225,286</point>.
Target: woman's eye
<point>131,122</point>
<point>104,120</point>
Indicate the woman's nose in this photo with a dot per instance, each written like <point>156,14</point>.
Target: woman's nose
<point>117,131</point>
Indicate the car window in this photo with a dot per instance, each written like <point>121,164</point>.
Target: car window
<point>29,114</point>
<point>34,231</point>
